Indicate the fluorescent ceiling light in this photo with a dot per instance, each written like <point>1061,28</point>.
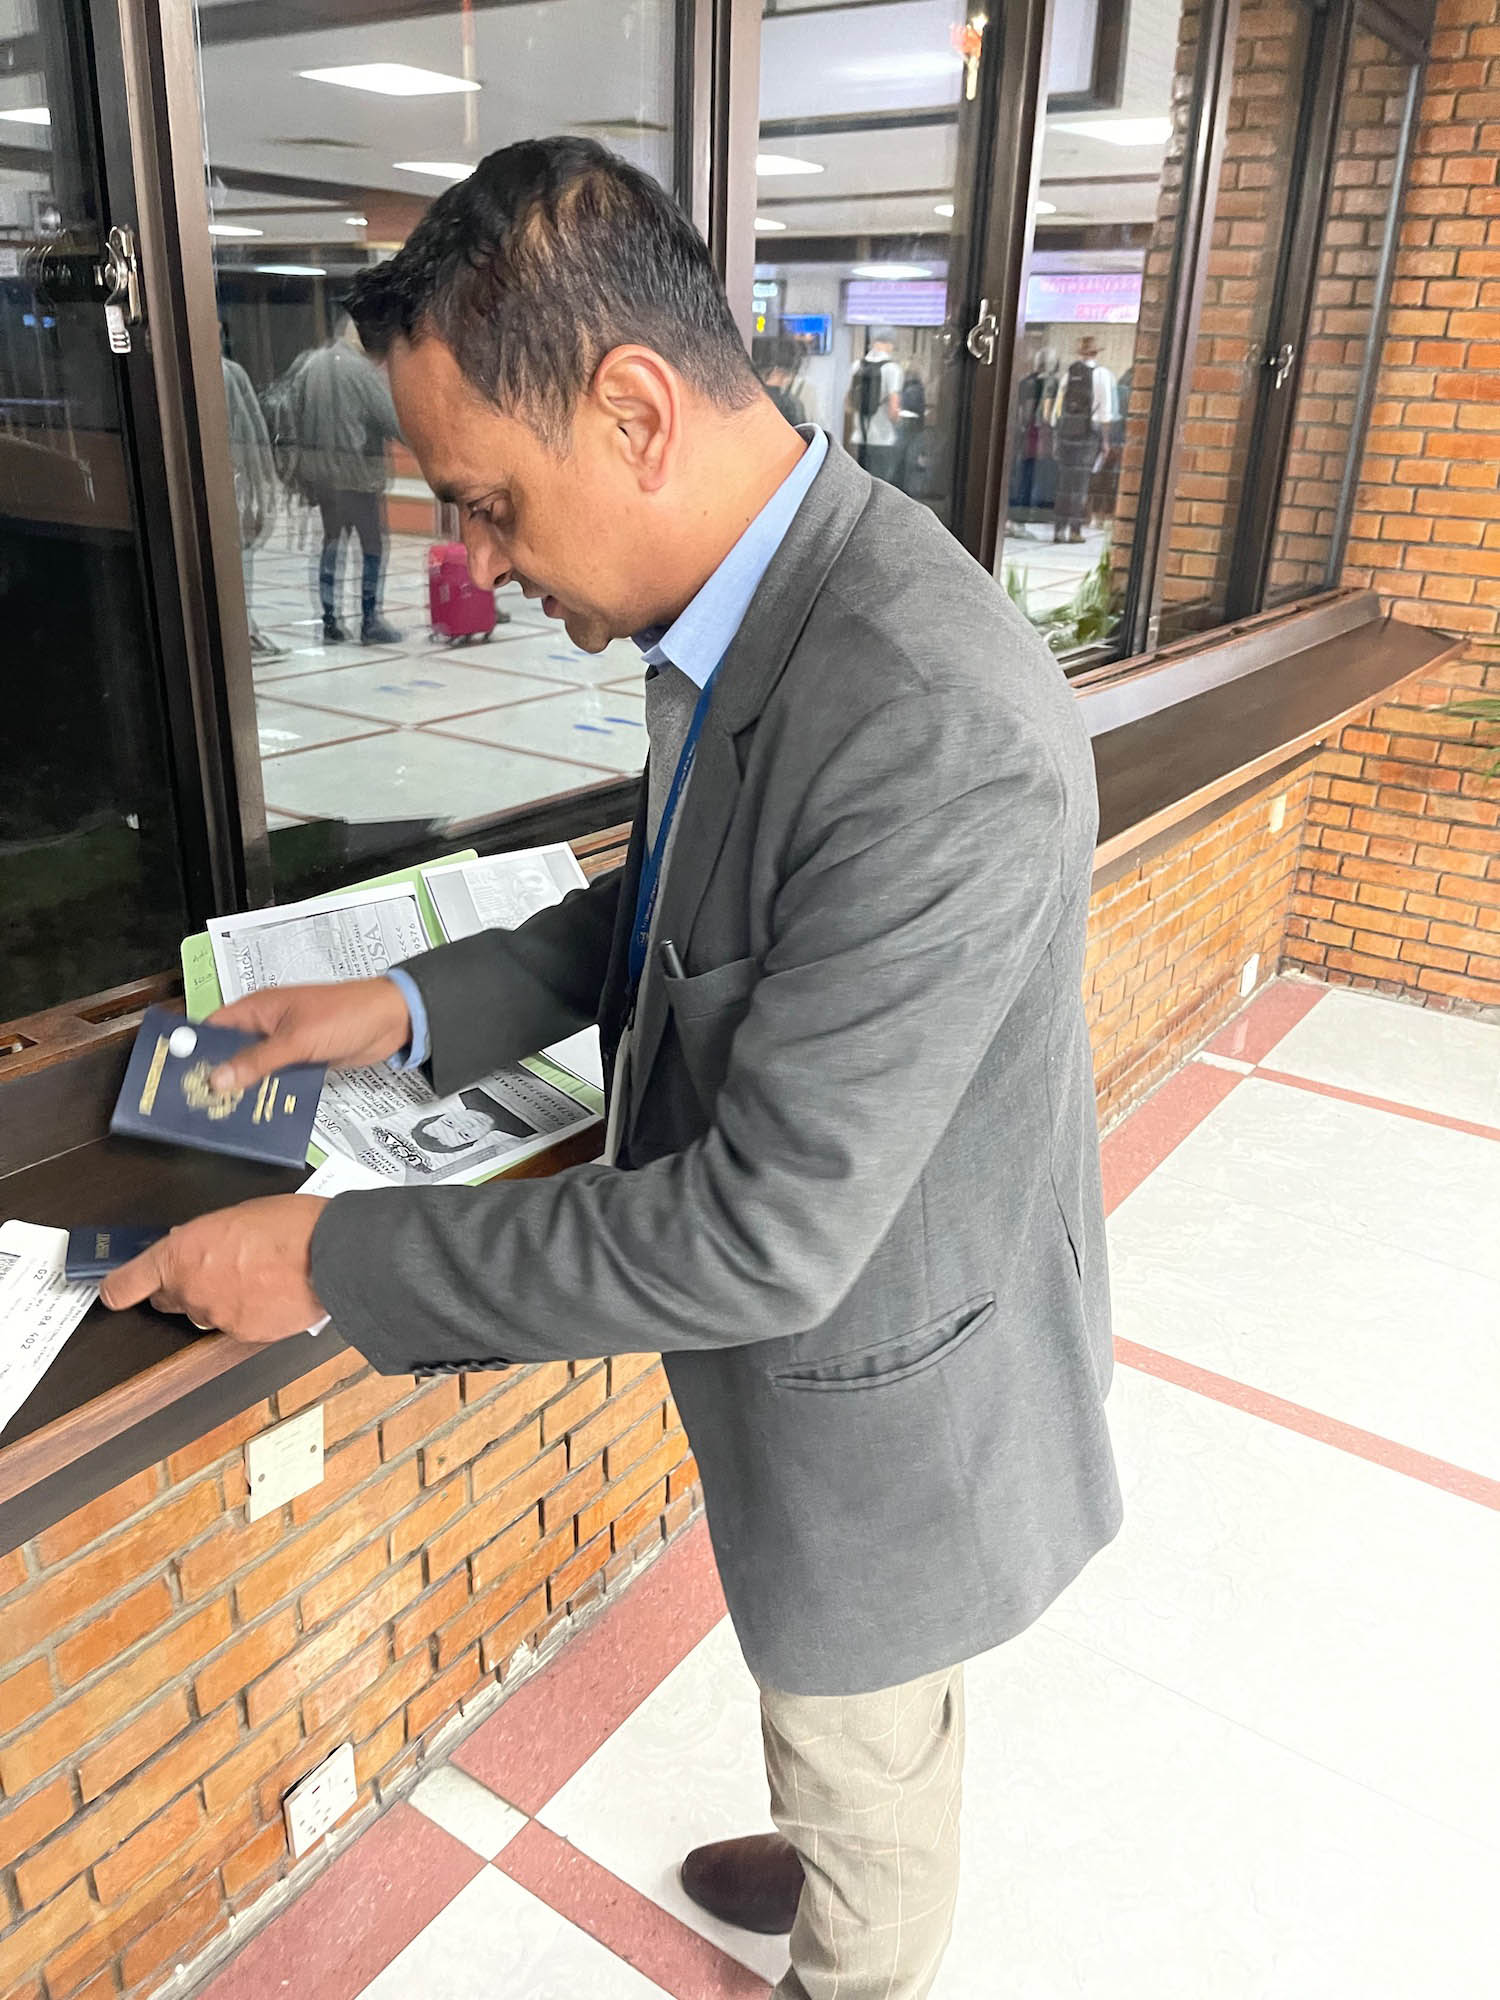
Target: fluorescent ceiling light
<point>1121,131</point>
<point>357,221</point>
<point>891,271</point>
<point>766,225</point>
<point>29,114</point>
<point>769,164</point>
<point>291,270</point>
<point>390,79</point>
<point>1046,208</point>
<point>440,170</point>
<point>232,229</point>
<point>942,208</point>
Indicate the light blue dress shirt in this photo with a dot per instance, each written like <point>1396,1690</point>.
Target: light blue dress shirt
<point>695,642</point>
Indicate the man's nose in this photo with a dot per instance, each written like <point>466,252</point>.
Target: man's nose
<point>487,571</point>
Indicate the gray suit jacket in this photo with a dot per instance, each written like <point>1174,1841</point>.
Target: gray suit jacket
<point>859,1207</point>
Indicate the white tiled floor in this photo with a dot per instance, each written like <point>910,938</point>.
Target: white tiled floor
<point>1363,1043</point>
<point>419,689</point>
<point>496,1941</point>
<point>1253,1753</point>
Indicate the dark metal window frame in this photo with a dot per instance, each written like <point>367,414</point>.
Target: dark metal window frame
<point>1407,25</point>
<point>193,533</point>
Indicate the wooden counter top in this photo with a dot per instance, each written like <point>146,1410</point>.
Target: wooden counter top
<point>1169,743</point>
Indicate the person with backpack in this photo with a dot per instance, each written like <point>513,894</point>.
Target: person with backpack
<point>874,402</point>
<point>1083,418</point>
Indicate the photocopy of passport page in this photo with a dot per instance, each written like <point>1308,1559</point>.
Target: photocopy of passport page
<point>39,1308</point>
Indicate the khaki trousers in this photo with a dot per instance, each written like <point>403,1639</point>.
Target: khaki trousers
<point>866,1788</point>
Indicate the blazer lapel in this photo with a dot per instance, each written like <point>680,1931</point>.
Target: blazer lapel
<point>749,672</point>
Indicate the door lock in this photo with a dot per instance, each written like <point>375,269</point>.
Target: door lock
<point>982,336</point>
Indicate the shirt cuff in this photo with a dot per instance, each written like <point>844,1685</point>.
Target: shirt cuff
<point>419,1048</point>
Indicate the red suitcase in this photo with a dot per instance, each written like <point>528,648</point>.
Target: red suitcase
<point>460,610</point>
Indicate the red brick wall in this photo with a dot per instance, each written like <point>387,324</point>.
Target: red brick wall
<point>1402,881</point>
<point>1399,889</point>
<point>1169,938</point>
<point>170,1668</point>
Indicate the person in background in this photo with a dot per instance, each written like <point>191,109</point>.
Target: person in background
<point>1033,480</point>
<point>780,378</point>
<point>341,418</point>
<point>254,481</point>
<point>911,426</point>
<point>874,403</point>
<point>1084,412</point>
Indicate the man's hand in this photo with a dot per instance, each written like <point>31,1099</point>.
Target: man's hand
<point>349,1024</point>
<point>243,1271</point>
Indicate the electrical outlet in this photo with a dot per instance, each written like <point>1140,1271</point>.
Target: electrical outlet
<point>284,1461</point>
<point>1249,973</point>
<point>320,1800</point>
<point>1278,812</point>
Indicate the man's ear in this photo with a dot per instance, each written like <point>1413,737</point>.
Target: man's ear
<point>639,397</point>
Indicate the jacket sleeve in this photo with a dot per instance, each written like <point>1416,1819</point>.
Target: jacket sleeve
<point>501,995</point>
<point>923,882</point>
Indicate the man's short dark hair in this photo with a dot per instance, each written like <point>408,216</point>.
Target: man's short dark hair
<point>551,253</point>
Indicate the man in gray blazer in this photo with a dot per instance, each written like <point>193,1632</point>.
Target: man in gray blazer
<point>852,1192</point>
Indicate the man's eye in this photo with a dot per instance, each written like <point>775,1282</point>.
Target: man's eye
<point>488,511</point>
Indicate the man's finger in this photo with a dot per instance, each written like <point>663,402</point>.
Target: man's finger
<point>136,1280</point>
<point>254,1062</point>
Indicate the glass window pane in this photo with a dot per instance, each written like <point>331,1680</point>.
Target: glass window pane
<point>325,148</point>
<point>861,218</point>
<point>1086,351</point>
<point>1339,347</point>
<point>1219,409</point>
<point>91,891</point>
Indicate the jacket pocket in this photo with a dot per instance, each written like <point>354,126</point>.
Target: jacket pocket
<point>886,1362</point>
<point>707,1009</point>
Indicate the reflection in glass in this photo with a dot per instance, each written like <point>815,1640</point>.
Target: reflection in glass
<point>325,148</point>
<point>1218,411</point>
<point>1086,349</point>
<point>91,890</point>
<point>861,116</point>
<point>1340,335</point>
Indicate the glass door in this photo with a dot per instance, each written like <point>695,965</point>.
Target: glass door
<point>875,312</point>
<point>92,879</point>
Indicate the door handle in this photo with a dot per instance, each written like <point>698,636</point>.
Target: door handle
<point>982,336</point>
<point>1280,364</point>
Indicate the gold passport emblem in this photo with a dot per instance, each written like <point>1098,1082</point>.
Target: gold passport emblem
<point>198,1094</point>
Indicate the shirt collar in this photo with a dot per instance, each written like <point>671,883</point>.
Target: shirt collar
<point>698,638</point>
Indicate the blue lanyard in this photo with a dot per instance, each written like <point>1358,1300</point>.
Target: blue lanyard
<point>650,884</point>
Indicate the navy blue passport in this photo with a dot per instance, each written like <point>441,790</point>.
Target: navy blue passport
<point>94,1253</point>
<point>167,1095</point>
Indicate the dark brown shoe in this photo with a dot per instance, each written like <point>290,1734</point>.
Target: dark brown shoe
<point>755,1883</point>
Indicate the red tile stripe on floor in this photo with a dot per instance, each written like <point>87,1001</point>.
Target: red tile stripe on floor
<point>628,1923</point>
<point>1390,1104</point>
<point>550,1727</point>
<point>349,1924</point>
<point>1138,1145</point>
<point>1274,1012</point>
<point>1369,1445</point>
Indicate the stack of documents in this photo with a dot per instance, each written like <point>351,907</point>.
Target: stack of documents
<point>378,1127</point>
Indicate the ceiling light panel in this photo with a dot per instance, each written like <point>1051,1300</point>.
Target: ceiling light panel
<point>391,79</point>
<point>1120,131</point>
<point>769,165</point>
